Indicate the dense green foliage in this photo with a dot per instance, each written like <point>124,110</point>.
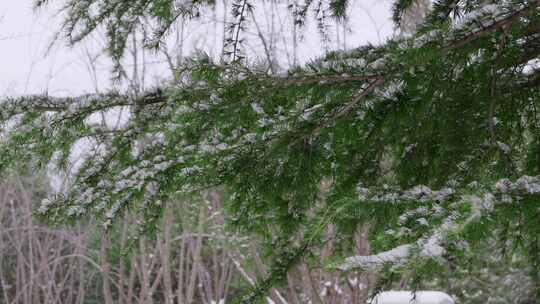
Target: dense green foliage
<point>352,138</point>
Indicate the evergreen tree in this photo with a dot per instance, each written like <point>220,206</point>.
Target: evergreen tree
<point>432,139</point>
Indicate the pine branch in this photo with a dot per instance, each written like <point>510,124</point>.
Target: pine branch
<point>507,21</point>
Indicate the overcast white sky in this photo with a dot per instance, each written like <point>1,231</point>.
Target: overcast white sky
<point>25,35</point>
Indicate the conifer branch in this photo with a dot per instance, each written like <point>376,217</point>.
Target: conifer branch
<point>419,104</point>
<point>323,79</point>
<point>492,27</point>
